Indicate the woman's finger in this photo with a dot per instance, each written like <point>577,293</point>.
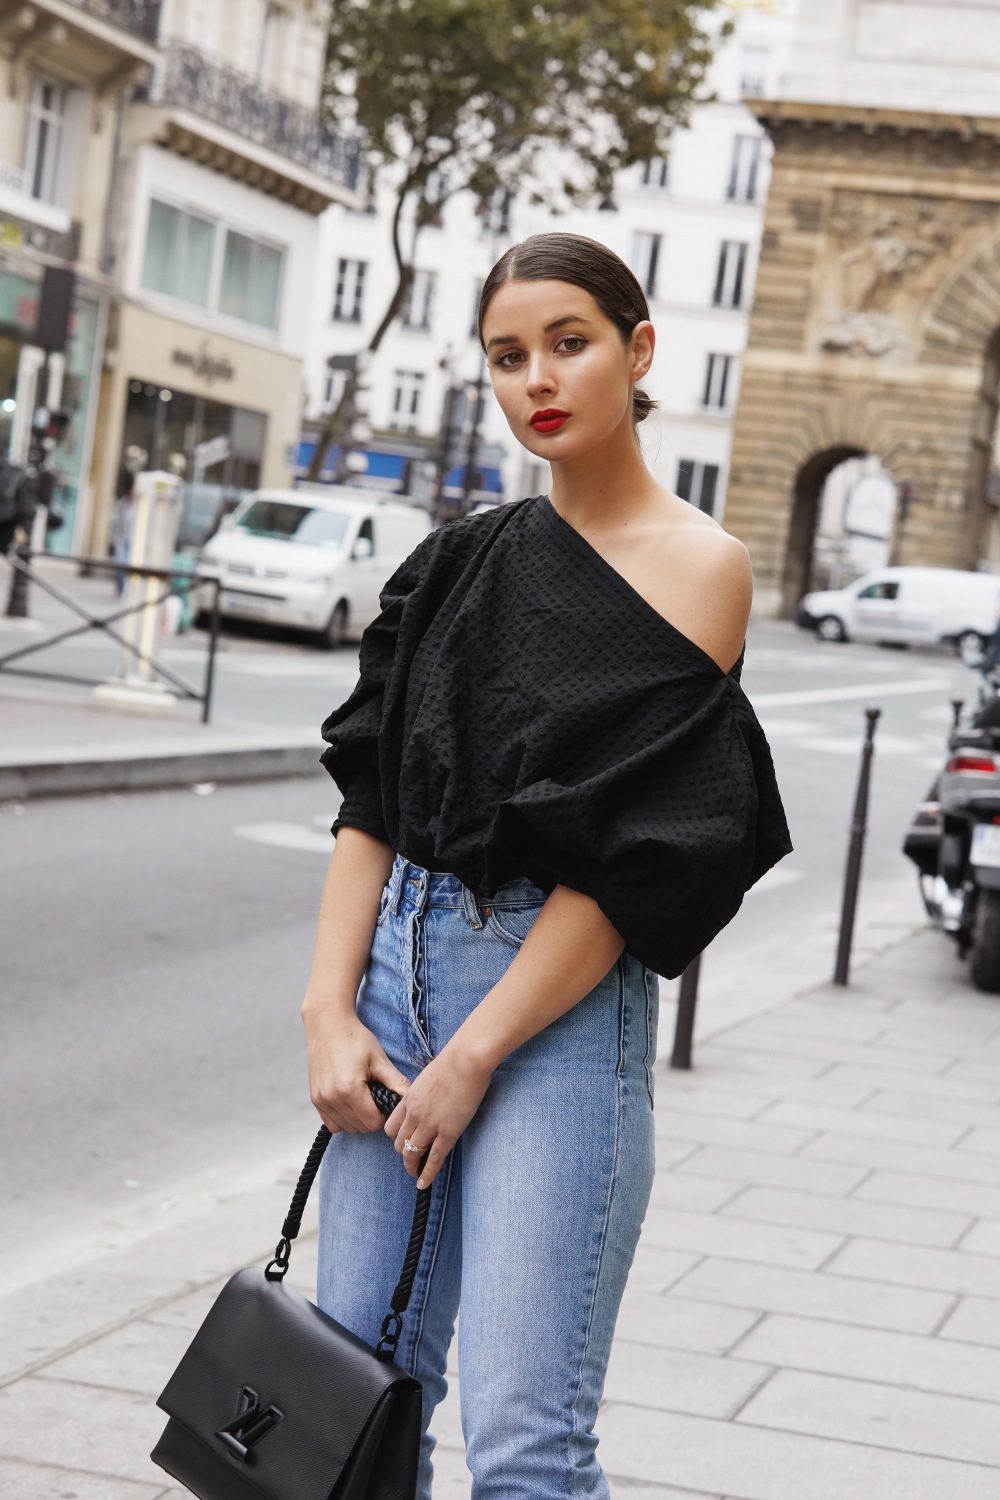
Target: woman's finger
<point>383,1070</point>
<point>434,1162</point>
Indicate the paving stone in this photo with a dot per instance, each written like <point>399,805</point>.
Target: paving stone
<point>189,1311</point>
<point>630,1489</point>
<point>139,1357</point>
<point>754,1463</point>
<point>913,1226</point>
<point>732,1104</point>
<point>803,1019</point>
<point>99,1431</point>
<point>912,1265</point>
<point>698,1194</point>
<point>673,1322</point>
<point>825,1051</point>
<point>670,1153</point>
<point>31,1481</point>
<point>948,1086</point>
<point>708,1234</point>
<point>655,1270</point>
<point>771,1289</point>
<point>974,1198</point>
<point>452,1480</point>
<point>943,1042</point>
<point>976,1320</point>
<point>984,1239</point>
<point>914,1131</point>
<point>716,1057</point>
<point>904,1359</point>
<point>966,1112</point>
<point>921,1161</point>
<point>981,1143</point>
<point>709,1130</point>
<point>771,1170</point>
<point>860,1411</point>
<point>676,1380</point>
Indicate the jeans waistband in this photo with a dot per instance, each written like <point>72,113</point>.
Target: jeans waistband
<point>411,884</point>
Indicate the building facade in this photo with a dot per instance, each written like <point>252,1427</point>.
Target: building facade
<point>66,68</point>
<point>875,334</point>
<point>225,166</point>
<point>689,225</point>
<point>175,157</point>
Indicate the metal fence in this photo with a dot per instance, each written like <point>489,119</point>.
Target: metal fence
<point>141,17</point>
<point>215,91</point>
<point>177,581</point>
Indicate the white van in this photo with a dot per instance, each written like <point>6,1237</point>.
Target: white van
<point>911,606</point>
<point>315,559</point>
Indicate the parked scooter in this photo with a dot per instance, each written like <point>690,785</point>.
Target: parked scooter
<point>954,839</point>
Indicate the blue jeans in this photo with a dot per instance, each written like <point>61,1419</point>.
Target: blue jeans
<point>536,1213</point>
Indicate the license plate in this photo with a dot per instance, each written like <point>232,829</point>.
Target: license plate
<point>985,844</point>
<point>245,605</point>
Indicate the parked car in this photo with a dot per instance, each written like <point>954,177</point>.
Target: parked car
<point>909,606</point>
<point>313,559</point>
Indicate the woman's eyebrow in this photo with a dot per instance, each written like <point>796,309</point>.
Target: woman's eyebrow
<point>512,338</point>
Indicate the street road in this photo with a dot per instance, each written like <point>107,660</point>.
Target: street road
<point>156,945</point>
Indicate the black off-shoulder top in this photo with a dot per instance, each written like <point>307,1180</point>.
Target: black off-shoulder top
<point>522,711</point>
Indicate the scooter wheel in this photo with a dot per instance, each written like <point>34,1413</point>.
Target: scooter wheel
<point>985,956</point>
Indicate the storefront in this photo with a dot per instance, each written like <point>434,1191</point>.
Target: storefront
<point>19,292</point>
<point>220,412</point>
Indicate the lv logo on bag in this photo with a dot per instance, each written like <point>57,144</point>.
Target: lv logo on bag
<point>249,1425</point>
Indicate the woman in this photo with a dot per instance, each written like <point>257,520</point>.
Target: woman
<point>554,789</point>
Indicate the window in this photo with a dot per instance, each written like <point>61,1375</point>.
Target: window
<point>46,117</point>
<point>716,379</point>
<point>251,277</point>
<point>349,294</point>
<point>753,72</point>
<point>282,521</point>
<point>880,591</point>
<point>645,256</point>
<point>743,172</point>
<point>697,483</point>
<point>655,172</point>
<point>406,396</point>
<point>178,259</point>
<point>420,301</point>
<point>496,219</point>
<point>729,277</point>
<point>181,260</point>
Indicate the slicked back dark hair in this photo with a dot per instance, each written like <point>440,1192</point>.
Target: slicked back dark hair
<point>584,263</point>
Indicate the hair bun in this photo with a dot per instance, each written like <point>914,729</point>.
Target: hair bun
<point>642,405</point>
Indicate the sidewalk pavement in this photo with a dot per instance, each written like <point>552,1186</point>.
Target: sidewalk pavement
<point>814,1311</point>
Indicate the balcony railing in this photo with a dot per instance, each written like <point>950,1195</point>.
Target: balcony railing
<point>215,91</point>
<point>141,17</point>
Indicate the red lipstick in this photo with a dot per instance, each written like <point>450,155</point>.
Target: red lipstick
<point>549,420</point>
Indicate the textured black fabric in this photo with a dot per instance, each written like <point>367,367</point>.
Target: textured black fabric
<point>522,711</point>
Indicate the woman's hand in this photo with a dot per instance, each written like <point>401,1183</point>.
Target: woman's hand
<point>343,1055</point>
<point>436,1109</point>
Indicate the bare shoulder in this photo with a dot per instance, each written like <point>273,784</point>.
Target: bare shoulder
<point>699,578</point>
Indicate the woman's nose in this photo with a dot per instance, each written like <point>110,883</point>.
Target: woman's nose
<point>540,378</point>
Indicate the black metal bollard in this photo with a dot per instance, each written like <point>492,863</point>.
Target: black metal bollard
<point>686,1003</point>
<point>17,598</point>
<point>852,877</point>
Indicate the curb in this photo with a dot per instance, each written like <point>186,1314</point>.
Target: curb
<point>72,776</point>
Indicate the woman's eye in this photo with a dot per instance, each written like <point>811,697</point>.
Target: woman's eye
<point>571,343</point>
<point>510,359</point>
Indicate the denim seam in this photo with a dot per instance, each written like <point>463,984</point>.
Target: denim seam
<point>573,1435</point>
<point>435,1246</point>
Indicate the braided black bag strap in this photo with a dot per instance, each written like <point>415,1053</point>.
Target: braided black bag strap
<point>275,1269</point>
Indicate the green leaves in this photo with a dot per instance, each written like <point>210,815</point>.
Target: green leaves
<point>489,89</point>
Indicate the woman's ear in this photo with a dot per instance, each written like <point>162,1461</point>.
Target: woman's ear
<point>643,347</point>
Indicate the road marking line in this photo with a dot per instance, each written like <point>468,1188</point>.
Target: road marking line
<point>287,836</point>
<point>870,690</point>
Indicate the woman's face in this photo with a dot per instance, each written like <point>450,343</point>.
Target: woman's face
<point>561,372</point>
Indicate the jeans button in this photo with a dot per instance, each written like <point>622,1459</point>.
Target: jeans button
<point>487,911</point>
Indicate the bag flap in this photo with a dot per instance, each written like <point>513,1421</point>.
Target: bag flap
<point>325,1382</point>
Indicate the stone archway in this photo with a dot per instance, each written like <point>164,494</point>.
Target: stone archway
<point>874,329</point>
<point>806,495</point>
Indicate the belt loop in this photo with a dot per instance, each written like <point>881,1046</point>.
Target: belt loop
<point>471,909</point>
<point>396,883</point>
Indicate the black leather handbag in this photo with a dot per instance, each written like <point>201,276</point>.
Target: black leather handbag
<point>275,1401</point>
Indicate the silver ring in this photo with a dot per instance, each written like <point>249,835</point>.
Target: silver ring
<point>409,1146</point>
